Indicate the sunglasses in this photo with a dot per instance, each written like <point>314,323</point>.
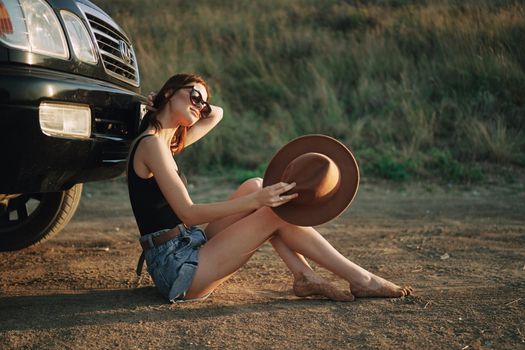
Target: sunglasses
<point>197,100</point>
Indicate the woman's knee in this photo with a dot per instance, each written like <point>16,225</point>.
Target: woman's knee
<point>251,185</point>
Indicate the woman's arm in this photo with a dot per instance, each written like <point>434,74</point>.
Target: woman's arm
<point>203,126</point>
<point>157,157</point>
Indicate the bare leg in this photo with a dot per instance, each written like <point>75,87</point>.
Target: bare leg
<point>306,281</point>
<point>231,248</point>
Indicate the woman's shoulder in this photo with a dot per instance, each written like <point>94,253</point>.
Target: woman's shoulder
<point>153,148</point>
<point>143,147</point>
<point>139,140</point>
<point>152,144</point>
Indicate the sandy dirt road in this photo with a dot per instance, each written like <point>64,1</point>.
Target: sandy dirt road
<point>462,249</point>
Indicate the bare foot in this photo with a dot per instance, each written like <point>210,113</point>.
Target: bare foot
<point>312,284</point>
<point>379,287</point>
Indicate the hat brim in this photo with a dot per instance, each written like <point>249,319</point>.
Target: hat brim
<point>315,213</point>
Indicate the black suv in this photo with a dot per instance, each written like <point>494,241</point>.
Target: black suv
<point>70,106</point>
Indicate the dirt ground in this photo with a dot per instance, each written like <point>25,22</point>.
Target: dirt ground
<point>462,249</point>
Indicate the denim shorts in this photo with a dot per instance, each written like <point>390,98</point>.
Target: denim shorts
<point>172,264</point>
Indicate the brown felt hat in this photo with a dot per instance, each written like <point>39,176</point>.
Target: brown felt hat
<point>326,176</point>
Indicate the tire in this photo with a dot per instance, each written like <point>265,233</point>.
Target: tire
<point>39,216</point>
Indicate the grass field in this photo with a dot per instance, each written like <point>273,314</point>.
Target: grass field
<point>417,89</point>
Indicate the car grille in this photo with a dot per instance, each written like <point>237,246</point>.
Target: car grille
<point>111,127</point>
<point>118,56</point>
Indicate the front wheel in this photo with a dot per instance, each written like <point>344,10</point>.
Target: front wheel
<point>32,218</point>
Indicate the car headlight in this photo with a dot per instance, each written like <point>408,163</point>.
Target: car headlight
<point>79,36</point>
<point>13,30</point>
<point>34,27</point>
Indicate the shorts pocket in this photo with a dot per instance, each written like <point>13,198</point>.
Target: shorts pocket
<point>183,244</point>
<point>198,238</point>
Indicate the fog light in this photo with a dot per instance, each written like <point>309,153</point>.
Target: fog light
<point>65,120</point>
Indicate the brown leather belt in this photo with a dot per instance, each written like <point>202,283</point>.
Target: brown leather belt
<point>157,240</point>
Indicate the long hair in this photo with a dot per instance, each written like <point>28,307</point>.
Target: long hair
<point>161,100</point>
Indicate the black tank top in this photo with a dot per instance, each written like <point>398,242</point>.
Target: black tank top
<point>152,211</point>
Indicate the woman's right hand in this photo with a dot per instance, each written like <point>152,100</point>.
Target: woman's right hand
<point>151,98</point>
<point>271,195</point>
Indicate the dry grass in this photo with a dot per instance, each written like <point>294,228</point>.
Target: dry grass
<point>398,79</point>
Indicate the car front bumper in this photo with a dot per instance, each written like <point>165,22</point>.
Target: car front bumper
<point>31,161</point>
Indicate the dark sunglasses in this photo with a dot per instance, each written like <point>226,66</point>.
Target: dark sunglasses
<point>197,100</point>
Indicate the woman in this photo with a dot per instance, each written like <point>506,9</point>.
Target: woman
<point>188,263</point>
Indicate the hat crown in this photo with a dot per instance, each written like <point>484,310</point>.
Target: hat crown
<point>316,176</point>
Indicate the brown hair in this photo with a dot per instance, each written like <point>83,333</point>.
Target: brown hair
<point>161,99</point>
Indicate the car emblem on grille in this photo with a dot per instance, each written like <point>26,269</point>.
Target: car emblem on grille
<point>125,51</point>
